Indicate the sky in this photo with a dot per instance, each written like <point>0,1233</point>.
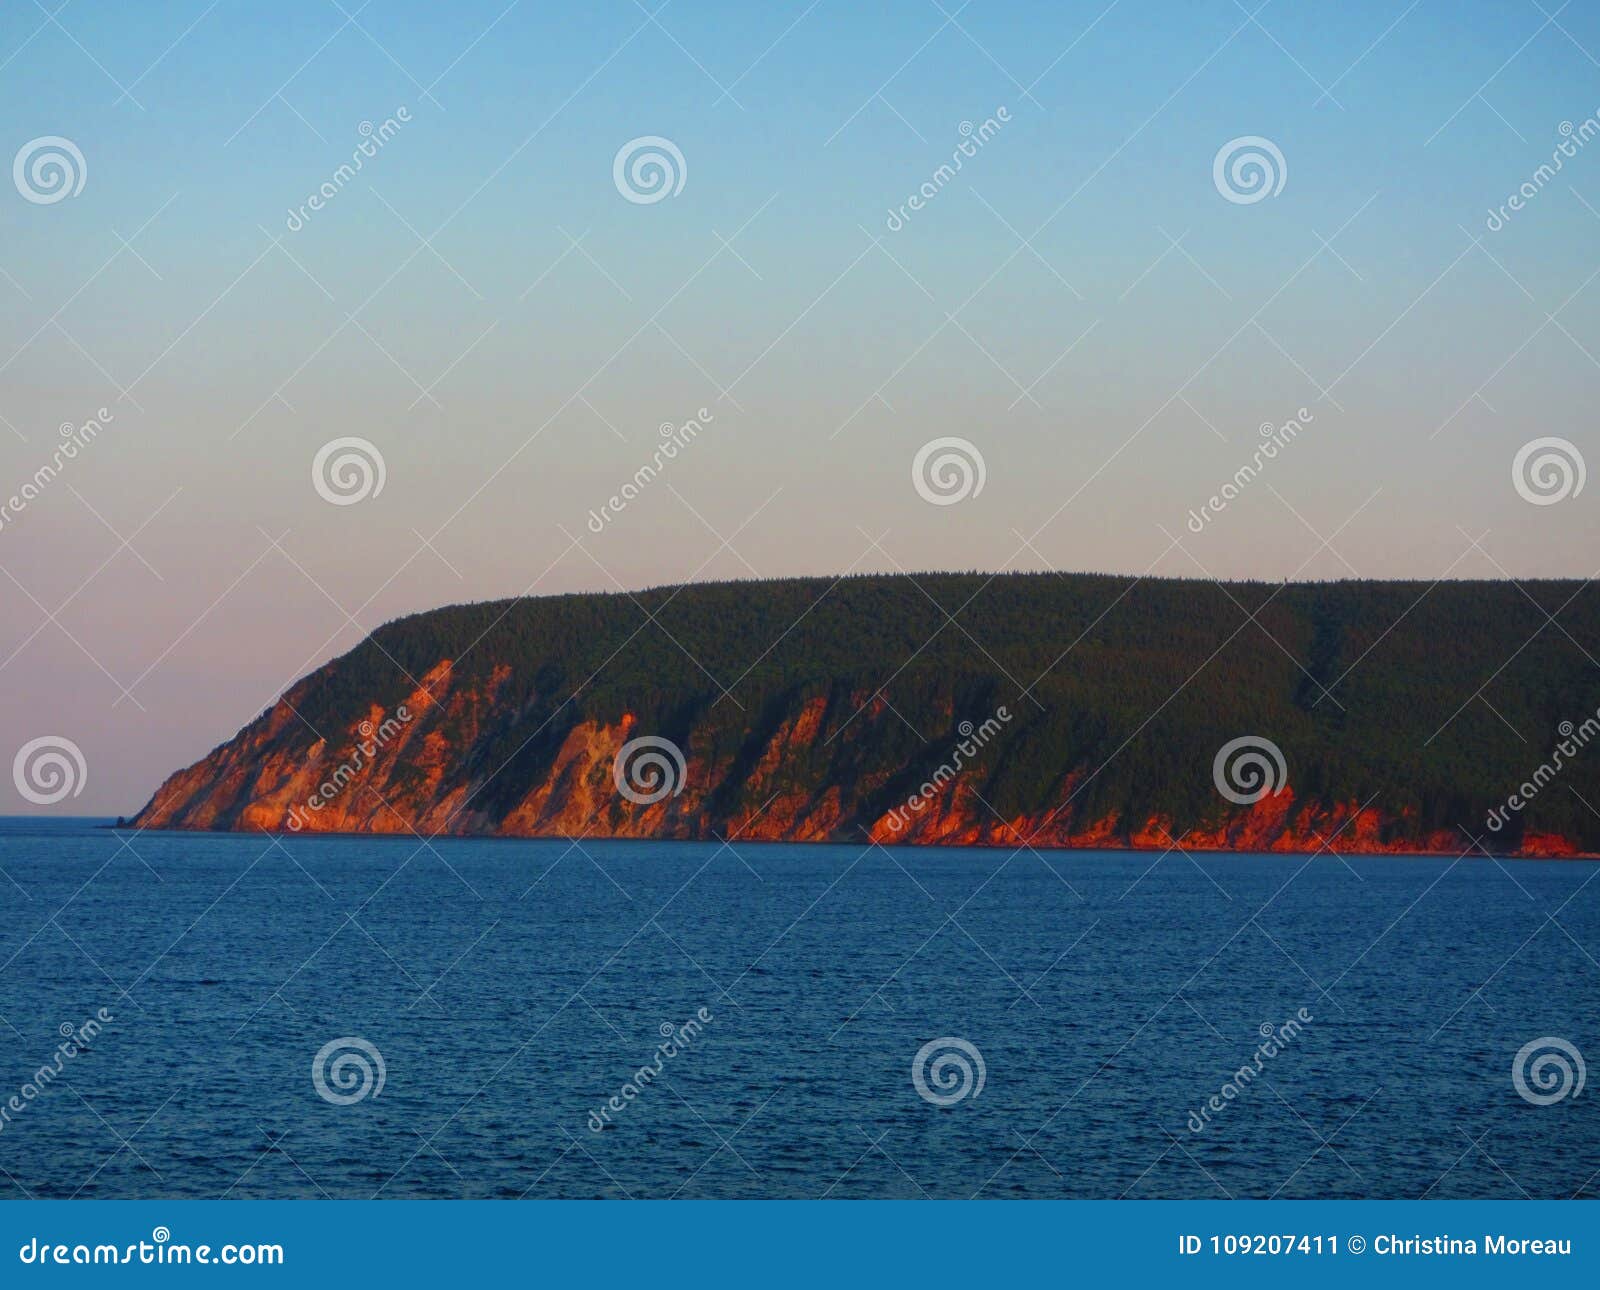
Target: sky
<point>1097,308</point>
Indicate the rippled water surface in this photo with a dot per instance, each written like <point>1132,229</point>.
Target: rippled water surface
<point>513,987</point>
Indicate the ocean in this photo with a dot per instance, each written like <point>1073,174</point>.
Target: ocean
<point>215,1015</point>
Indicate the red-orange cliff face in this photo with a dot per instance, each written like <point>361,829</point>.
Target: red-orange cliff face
<point>436,763</point>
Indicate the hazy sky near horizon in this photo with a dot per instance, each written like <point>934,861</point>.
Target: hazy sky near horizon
<point>1083,303</point>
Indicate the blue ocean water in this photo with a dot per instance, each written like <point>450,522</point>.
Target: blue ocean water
<point>512,987</point>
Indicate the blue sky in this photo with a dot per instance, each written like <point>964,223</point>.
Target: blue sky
<point>1080,303</point>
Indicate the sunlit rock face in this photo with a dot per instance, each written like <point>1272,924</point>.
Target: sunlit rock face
<point>1052,712</point>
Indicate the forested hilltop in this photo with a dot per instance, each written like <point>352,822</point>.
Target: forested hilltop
<point>1062,710</point>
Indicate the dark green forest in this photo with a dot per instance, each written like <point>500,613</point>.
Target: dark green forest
<point>1439,698</point>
